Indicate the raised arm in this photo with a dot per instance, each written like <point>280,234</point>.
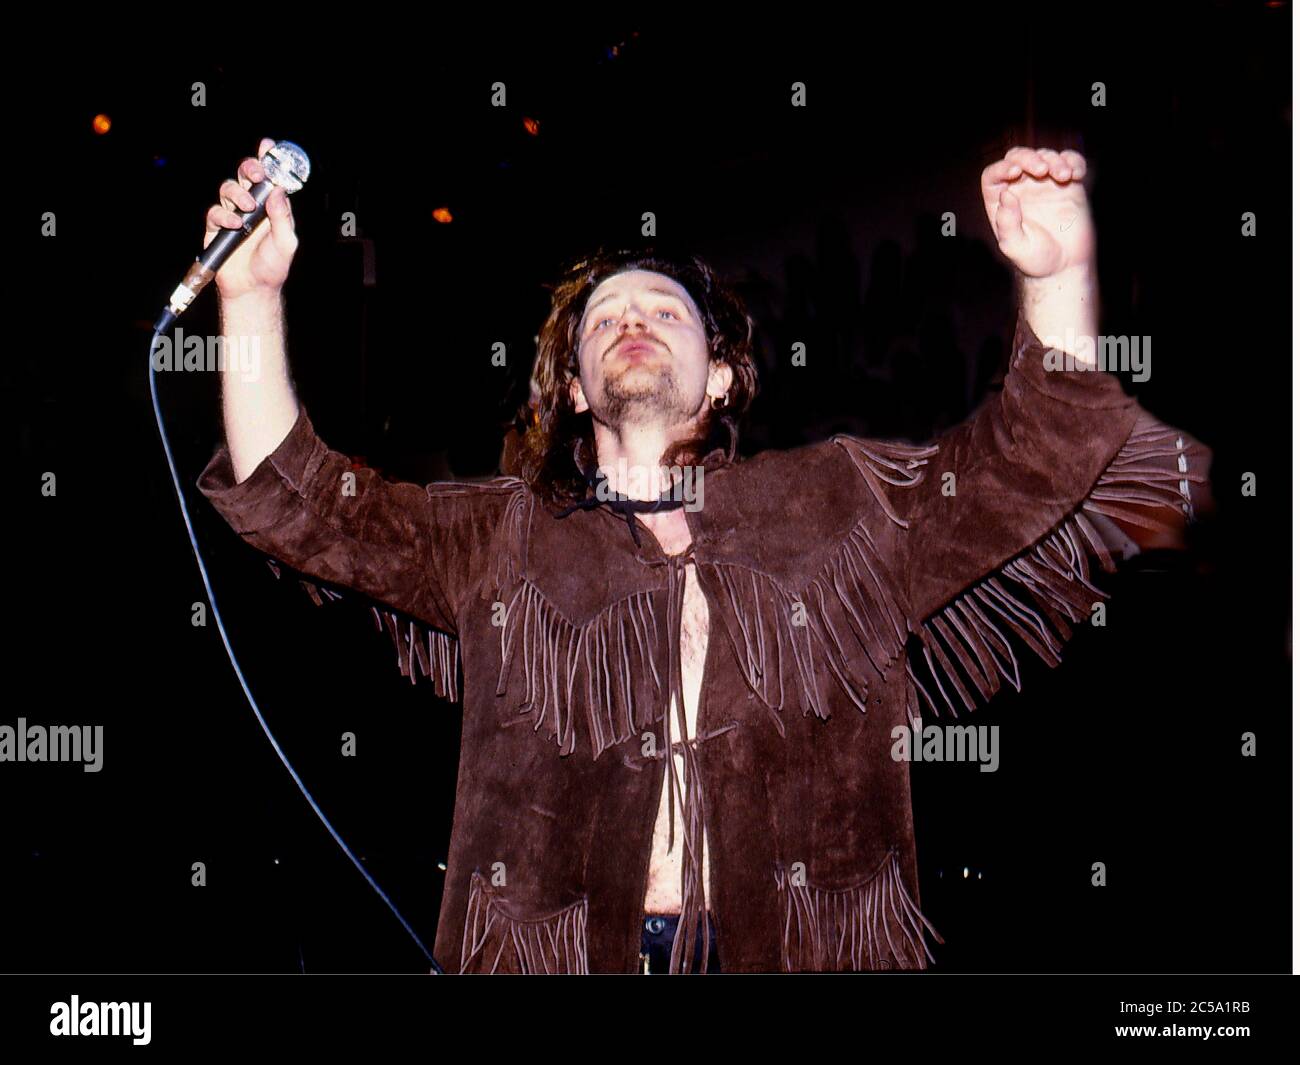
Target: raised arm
<point>1046,447</point>
<point>418,549</point>
<point>258,407</point>
<point>1003,512</point>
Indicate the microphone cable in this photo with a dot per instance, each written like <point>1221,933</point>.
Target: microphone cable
<point>166,319</point>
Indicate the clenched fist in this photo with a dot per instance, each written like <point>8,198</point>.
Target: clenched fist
<point>261,263</point>
<point>1038,209</point>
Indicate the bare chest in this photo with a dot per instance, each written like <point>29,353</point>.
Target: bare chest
<point>664,890</point>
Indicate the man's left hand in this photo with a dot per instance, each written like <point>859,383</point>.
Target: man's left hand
<point>1038,209</point>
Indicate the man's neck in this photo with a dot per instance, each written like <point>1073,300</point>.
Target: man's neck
<point>632,458</point>
<point>670,529</point>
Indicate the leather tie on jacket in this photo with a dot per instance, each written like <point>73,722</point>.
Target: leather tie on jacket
<point>689,926</point>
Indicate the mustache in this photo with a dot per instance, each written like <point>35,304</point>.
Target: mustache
<point>643,339</point>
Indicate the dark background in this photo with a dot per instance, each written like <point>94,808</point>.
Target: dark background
<point>827,218</point>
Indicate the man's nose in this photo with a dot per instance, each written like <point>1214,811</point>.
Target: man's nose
<point>633,318</point>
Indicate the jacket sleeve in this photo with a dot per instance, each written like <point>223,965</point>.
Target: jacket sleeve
<point>416,549</point>
<point>1001,515</point>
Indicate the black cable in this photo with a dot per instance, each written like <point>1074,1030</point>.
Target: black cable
<point>165,320</point>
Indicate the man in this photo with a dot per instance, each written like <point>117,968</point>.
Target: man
<point>683,671</point>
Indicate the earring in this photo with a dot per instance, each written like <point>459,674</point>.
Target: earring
<point>718,402</point>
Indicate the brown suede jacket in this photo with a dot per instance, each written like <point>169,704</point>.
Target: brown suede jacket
<point>820,565</point>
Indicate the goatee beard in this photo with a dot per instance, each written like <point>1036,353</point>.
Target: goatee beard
<point>656,401</point>
<point>647,401</point>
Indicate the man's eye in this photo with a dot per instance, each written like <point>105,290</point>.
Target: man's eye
<point>665,310</point>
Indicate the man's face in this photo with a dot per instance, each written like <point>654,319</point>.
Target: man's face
<point>643,357</point>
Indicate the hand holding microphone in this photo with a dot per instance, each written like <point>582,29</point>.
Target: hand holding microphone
<point>261,260</point>
<point>249,240</point>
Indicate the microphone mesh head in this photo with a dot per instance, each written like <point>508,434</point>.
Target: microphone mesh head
<point>286,165</point>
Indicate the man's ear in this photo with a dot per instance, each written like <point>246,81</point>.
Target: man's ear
<point>577,395</point>
<point>720,377</point>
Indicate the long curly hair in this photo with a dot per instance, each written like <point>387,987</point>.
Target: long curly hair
<point>559,439</point>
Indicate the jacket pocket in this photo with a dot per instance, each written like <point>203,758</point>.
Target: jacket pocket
<point>501,937</point>
<point>873,924</point>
